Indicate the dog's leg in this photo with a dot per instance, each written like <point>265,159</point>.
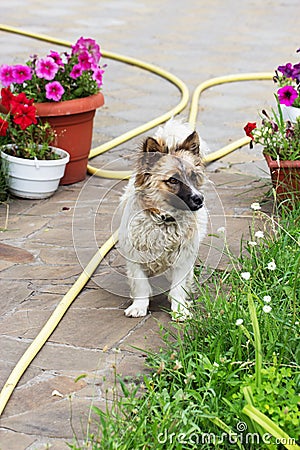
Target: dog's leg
<point>182,281</point>
<point>140,291</point>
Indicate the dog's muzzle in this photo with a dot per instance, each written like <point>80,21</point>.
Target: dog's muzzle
<point>187,201</point>
<point>195,202</point>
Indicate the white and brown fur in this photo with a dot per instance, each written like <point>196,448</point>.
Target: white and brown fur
<point>164,218</point>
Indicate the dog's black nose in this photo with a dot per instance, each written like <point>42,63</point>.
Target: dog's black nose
<point>196,201</point>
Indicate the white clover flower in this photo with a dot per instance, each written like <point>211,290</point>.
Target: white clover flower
<point>246,275</point>
<point>259,234</point>
<point>252,243</point>
<point>255,206</point>
<point>239,322</point>
<point>267,309</point>
<point>189,376</point>
<point>178,365</point>
<point>221,230</point>
<point>267,299</point>
<point>271,265</point>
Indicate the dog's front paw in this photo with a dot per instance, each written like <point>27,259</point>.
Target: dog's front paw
<point>180,312</point>
<point>136,310</point>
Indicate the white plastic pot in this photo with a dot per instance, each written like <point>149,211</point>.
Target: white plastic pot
<point>34,178</point>
<point>290,113</point>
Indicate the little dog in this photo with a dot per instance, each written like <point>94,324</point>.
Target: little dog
<point>164,218</point>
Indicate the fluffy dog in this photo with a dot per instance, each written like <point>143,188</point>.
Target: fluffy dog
<point>164,218</point>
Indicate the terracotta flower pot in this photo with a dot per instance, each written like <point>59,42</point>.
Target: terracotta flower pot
<point>73,122</point>
<point>285,177</point>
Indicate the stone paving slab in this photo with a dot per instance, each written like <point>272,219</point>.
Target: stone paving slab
<point>14,440</point>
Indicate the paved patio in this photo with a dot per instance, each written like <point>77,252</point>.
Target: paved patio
<point>45,244</point>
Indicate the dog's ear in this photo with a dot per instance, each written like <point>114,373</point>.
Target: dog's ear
<point>151,145</point>
<point>192,144</point>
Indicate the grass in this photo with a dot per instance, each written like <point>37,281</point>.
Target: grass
<point>228,377</point>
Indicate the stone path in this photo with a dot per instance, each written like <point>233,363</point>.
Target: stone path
<point>45,244</point>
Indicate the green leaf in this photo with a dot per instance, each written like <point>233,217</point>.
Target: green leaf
<point>271,427</point>
<point>98,411</point>
<point>124,388</point>
<point>225,428</point>
<point>84,375</point>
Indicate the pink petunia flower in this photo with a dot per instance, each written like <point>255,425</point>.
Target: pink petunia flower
<point>21,73</point>
<point>54,91</point>
<point>76,71</point>
<point>87,44</point>
<point>46,68</point>
<point>6,75</point>
<point>85,60</point>
<point>97,76</point>
<point>287,95</point>
<point>56,58</point>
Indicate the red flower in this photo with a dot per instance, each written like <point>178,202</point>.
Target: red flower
<point>11,102</point>
<point>25,116</point>
<point>3,127</point>
<point>19,100</point>
<point>249,128</point>
<point>6,97</point>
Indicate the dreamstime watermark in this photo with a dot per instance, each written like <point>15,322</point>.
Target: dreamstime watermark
<point>241,436</point>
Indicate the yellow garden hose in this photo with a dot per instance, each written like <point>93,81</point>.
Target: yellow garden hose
<point>53,321</point>
<point>88,271</point>
<point>214,82</point>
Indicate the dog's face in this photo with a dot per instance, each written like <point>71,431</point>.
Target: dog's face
<point>170,177</point>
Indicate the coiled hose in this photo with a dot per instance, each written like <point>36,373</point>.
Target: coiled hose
<point>88,271</point>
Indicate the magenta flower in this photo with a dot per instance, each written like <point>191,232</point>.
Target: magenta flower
<point>87,44</point>
<point>21,73</point>
<point>76,71</point>
<point>6,75</point>
<point>287,95</point>
<point>46,68</point>
<point>97,76</point>
<point>54,91</point>
<point>85,60</point>
<point>56,58</point>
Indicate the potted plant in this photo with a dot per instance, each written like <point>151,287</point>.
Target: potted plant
<point>280,140</point>
<point>287,78</point>
<point>34,166</point>
<point>65,88</point>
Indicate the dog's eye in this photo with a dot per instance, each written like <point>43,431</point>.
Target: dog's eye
<point>173,180</point>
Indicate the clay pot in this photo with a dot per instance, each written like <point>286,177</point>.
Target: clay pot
<point>72,121</point>
<point>285,177</point>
